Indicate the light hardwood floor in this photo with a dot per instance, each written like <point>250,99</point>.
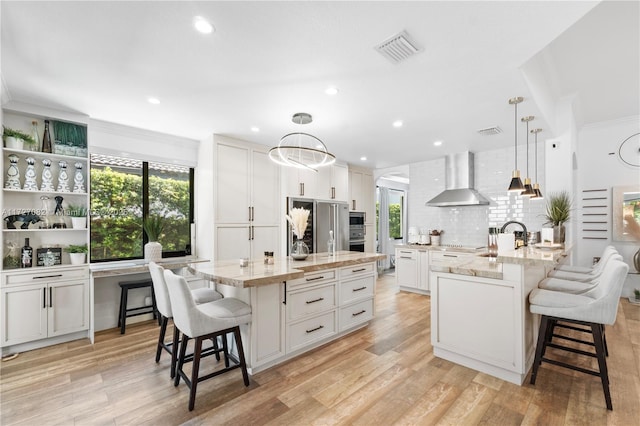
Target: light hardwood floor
<point>383,374</point>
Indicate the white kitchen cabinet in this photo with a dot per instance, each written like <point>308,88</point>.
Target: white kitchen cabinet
<point>370,238</point>
<point>247,194</point>
<point>362,193</point>
<point>412,270</point>
<point>267,325</point>
<point>46,304</point>
<point>327,183</point>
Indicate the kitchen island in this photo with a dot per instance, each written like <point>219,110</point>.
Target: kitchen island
<point>480,311</point>
<point>297,305</point>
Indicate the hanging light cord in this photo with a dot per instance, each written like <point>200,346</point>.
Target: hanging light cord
<point>527,148</point>
<point>536,146</point>
<point>515,126</point>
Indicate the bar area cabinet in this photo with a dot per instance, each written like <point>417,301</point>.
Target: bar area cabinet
<point>44,196</point>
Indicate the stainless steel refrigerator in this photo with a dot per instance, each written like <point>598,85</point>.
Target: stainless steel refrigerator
<point>325,216</point>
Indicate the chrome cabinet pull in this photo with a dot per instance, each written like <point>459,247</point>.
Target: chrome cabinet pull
<point>315,278</point>
<point>359,289</point>
<point>320,327</point>
<point>358,313</point>
<point>320,299</point>
<point>46,276</point>
<point>353,202</point>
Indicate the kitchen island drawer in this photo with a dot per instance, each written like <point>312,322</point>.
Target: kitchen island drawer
<point>349,271</point>
<point>309,331</point>
<point>34,276</point>
<point>356,289</point>
<point>355,314</point>
<point>313,278</point>
<point>312,300</point>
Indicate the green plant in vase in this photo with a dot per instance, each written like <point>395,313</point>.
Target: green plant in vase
<point>153,226</point>
<point>558,211</point>
<point>77,253</point>
<point>78,216</point>
<point>16,138</point>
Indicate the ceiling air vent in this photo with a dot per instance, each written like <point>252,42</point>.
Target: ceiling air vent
<point>490,131</point>
<point>398,47</point>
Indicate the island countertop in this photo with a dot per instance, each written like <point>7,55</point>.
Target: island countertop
<point>110,269</point>
<point>257,273</point>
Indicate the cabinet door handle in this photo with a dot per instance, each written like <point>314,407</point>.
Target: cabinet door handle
<point>253,214</point>
<point>44,298</point>
<point>51,297</point>
<point>406,257</point>
<point>449,255</point>
<point>359,289</point>
<point>301,189</point>
<point>359,270</point>
<point>358,313</point>
<point>249,213</point>
<point>249,229</point>
<point>319,299</point>
<point>320,327</point>
<point>353,202</point>
<point>46,276</point>
<point>365,221</point>
<point>405,252</point>
<point>315,278</point>
<point>284,302</point>
<point>333,192</point>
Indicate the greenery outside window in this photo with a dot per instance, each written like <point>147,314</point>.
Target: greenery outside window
<point>123,191</point>
<point>396,203</point>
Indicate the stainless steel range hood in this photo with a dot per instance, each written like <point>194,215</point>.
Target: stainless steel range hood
<point>459,170</point>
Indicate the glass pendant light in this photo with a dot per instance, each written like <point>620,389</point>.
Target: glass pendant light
<point>536,186</point>
<point>516,183</point>
<point>528,189</point>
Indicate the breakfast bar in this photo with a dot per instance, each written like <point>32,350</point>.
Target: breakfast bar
<point>480,311</point>
<point>297,305</point>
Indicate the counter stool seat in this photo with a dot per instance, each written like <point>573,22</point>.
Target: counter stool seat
<point>211,320</point>
<point>125,312</point>
<point>588,312</point>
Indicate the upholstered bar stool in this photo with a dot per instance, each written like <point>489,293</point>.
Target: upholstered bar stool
<point>206,321</point>
<point>587,276</point>
<point>587,312</point>
<point>577,283</point>
<point>585,269</point>
<point>200,295</point>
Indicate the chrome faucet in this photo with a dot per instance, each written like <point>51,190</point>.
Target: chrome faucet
<point>524,228</point>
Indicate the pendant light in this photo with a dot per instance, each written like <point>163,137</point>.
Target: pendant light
<point>516,183</point>
<point>536,186</point>
<point>528,189</point>
<point>301,150</point>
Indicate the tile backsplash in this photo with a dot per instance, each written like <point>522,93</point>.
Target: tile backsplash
<point>468,225</point>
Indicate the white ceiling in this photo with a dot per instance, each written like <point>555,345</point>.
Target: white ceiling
<point>268,60</point>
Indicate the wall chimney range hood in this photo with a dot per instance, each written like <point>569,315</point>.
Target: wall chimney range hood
<point>459,171</point>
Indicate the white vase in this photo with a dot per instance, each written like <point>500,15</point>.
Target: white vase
<point>435,240</point>
<point>78,222</point>
<point>13,143</point>
<point>153,251</point>
<point>77,258</point>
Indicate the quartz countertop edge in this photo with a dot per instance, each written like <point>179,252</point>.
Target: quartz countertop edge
<point>109,269</point>
<point>476,267</point>
<point>257,273</point>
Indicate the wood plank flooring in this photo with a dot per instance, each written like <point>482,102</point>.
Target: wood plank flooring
<point>383,374</point>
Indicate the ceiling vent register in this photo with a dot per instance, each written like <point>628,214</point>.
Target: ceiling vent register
<point>490,131</point>
<point>398,47</point>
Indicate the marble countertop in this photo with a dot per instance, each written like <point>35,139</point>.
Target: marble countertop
<point>483,266</point>
<point>429,247</point>
<point>256,273</point>
<point>110,269</point>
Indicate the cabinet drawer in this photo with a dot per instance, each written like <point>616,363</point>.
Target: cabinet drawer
<point>310,301</point>
<point>359,288</point>
<point>444,255</point>
<point>356,314</point>
<point>311,330</point>
<point>46,276</point>
<point>349,271</point>
<point>406,254</point>
<point>313,278</point>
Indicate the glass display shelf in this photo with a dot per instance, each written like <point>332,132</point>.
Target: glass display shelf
<point>45,230</point>
<point>51,156</point>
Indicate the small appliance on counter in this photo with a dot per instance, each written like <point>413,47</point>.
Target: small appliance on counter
<point>413,236</point>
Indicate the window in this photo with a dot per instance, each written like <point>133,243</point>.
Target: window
<point>123,191</point>
<point>396,201</point>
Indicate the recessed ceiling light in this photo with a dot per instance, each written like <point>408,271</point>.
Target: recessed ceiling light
<point>363,158</point>
<point>255,129</point>
<point>331,91</point>
<point>202,25</point>
<point>153,100</point>
<point>397,123</point>
<point>437,143</point>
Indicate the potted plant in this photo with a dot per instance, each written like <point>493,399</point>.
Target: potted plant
<point>15,139</point>
<point>77,253</point>
<point>558,211</point>
<point>78,216</point>
<point>153,226</point>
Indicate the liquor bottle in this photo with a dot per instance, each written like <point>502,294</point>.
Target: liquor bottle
<point>27,255</point>
<point>46,140</point>
<point>35,136</point>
